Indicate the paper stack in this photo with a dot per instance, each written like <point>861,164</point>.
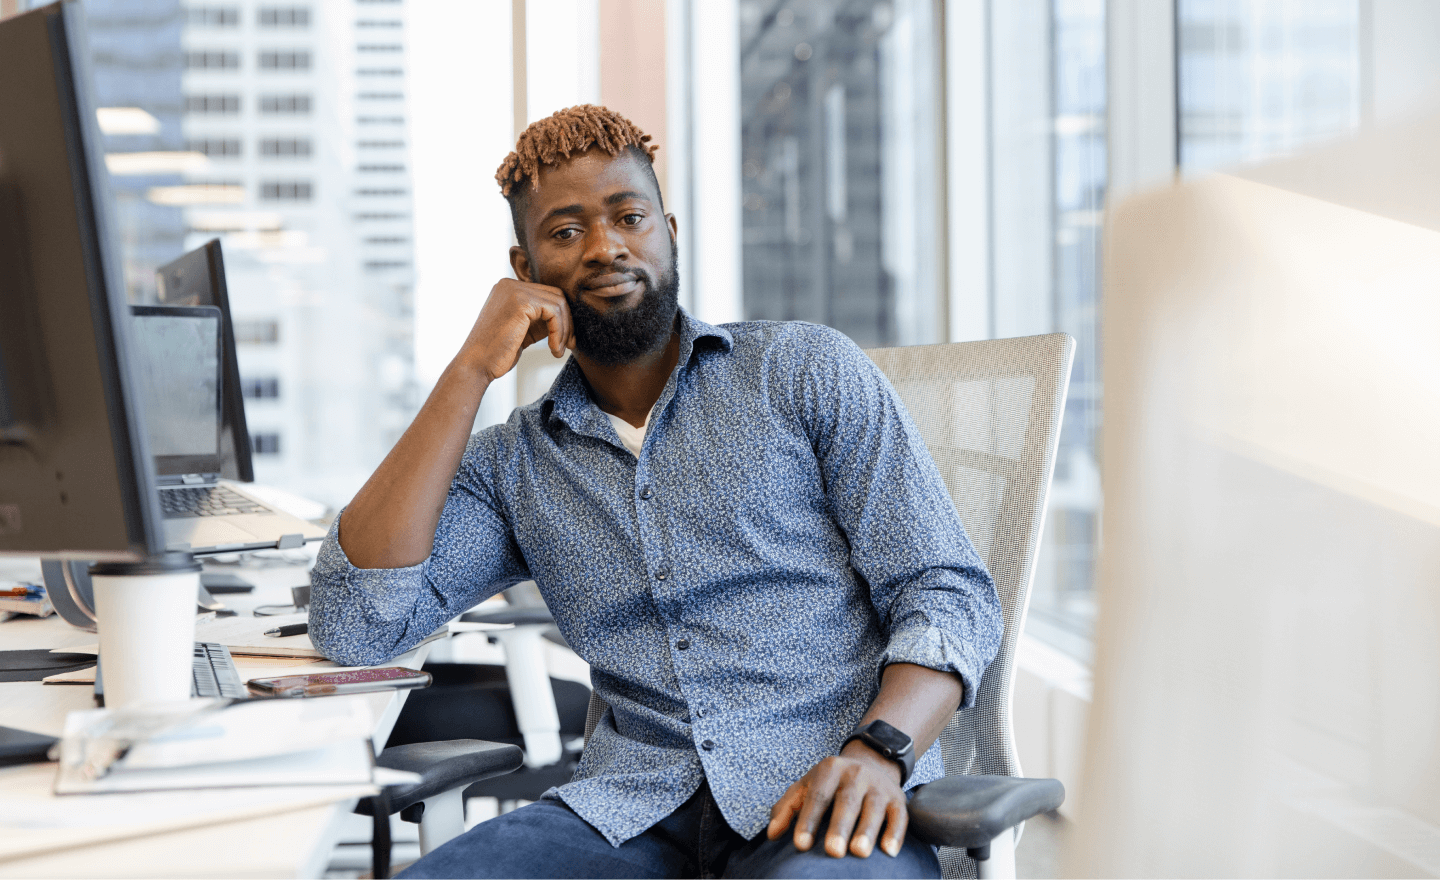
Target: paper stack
<point>217,744</point>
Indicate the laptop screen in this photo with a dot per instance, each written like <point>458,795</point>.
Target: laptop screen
<point>177,371</point>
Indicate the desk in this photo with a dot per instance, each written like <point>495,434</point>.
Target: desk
<point>291,844</point>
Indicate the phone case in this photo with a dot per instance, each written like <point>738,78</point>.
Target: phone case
<point>356,681</point>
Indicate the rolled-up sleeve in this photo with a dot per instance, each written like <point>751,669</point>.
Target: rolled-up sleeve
<point>931,591</point>
<point>361,616</point>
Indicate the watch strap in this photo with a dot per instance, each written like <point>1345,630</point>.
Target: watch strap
<point>904,757</point>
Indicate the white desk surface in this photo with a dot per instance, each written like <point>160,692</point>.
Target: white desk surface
<point>292,844</point>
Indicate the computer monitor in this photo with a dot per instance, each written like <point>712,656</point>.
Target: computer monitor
<point>75,471</point>
<point>198,279</point>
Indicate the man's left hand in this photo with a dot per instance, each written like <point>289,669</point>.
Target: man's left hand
<point>864,789</point>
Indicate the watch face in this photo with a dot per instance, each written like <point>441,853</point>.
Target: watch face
<point>887,736</point>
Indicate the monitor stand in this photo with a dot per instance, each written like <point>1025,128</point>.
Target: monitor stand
<point>146,616</point>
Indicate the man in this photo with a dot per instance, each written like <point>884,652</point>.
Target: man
<point>738,528</point>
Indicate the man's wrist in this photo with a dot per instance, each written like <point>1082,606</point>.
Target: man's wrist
<point>858,750</point>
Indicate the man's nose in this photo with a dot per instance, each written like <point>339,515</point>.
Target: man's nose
<point>604,246</point>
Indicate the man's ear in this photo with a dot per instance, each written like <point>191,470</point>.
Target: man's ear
<point>674,230</point>
<point>520,263</point>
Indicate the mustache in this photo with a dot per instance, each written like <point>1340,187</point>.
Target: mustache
<point>632,274</point>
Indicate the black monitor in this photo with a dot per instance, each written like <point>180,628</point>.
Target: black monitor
<point>198,279</point>
<point>75,471</point>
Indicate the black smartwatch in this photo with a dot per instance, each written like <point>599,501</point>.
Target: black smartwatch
<point>888,741</point>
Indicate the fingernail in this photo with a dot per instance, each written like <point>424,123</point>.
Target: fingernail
<point>891,847</point>
<point>835,847</point>
<point>803,841</point>
<point>861,845</point>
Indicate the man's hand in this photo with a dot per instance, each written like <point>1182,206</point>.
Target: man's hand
<point>516,315</point>
<point>864,789</point>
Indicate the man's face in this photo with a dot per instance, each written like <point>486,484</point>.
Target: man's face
<point>595,230</point>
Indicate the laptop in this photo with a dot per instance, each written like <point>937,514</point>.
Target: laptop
<point>177,356</point>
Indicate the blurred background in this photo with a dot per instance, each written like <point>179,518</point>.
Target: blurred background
<point>906,171</point>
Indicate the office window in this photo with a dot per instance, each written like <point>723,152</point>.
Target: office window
<point>370,23</point>
<point>264,388</point>
<point>1048,155</point>
<point>212,60</point>
<point>265,443</point>
<point>840,161</point>
<point>380,192</point>
<point>222,148</point>
<point>380,120</point>
<point>381,96</point>
<point>213,16</point>
<point>380,145</point>
<point>223,105</point>
<point>285,105</point>
<point>380,168</point>
<point>286,190</point>
<point>380,71</point>
<point>284,16</point>
<point>285,60</point>
<point>263,331</point>
<point>1261,79</point>
<point>285,148</point>
<point>385,265</point>
<point>379,47</point>
<point>387,240</point>
<point>381,215</point>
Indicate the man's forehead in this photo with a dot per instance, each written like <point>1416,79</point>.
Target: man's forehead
<point>593,174</point>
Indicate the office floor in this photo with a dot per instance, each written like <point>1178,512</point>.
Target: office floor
<point>1039,853</point>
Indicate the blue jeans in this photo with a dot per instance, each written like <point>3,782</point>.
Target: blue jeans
<point>547,839</point>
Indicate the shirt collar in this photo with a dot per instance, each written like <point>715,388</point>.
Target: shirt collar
<point>569,401</point>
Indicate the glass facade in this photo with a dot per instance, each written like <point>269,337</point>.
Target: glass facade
<point>839,150</point>
<point>1259,78</point>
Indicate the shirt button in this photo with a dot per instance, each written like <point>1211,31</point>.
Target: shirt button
<point>645,494</point>
<point>662,574</point>
<point>683,644</point>
<point>708,744</point>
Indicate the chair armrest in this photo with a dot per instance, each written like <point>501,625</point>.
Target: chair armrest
<point>971,811</point>
<point>443,766</point>
<point>517,616</point>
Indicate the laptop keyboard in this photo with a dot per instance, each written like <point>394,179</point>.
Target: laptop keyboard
<point>214,672</point>
<point>185,501</point>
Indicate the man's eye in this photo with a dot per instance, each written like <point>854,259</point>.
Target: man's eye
<point>566,234</point>
<point>632,219</point>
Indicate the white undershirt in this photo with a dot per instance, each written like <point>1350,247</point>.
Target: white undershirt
<point>630,435</point>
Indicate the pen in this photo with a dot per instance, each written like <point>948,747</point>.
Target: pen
<point>293,629</point>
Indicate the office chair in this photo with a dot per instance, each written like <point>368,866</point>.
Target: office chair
<point>990,414</point>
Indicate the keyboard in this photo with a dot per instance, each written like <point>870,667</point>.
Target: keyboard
<point>185,501</point>
<point>214,672</point>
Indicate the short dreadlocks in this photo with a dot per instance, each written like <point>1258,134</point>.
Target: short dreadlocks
<point>556,138</point>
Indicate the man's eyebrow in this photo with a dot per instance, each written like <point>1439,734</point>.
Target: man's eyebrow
<point>626,195</point>
<point>560,212</point>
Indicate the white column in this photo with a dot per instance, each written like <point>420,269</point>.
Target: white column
<point>967,171</point>
<point>715,160</point>
<point>1141,118</point>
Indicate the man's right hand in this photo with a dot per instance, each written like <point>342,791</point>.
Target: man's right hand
<point>515,316</point>
<point>391,522</point>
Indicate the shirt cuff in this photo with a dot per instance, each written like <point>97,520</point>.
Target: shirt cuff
<point>916,640</point>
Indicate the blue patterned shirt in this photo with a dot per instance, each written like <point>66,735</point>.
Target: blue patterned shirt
<point>736,589</point>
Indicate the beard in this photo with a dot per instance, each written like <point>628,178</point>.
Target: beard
<point>619,336</point>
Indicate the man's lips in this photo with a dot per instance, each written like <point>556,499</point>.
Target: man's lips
<point>612,285</point>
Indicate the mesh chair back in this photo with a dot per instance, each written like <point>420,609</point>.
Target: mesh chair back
<point>989,413</point>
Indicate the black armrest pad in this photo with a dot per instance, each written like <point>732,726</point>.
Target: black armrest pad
<point>442,766</point>
<point>517,616</point>
<point>971,811</point>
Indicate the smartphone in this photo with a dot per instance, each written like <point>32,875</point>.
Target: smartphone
<point>355,681</point>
